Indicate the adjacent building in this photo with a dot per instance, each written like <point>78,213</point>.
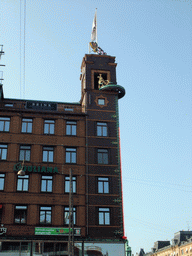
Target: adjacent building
<point>181,245</point>
<point>48,140</point>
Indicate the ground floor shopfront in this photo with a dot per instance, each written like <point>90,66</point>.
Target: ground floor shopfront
<point>59,248</point>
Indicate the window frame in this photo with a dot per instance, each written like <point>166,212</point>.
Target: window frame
<point>46,179</point>
<point>69,151</point>
<point>48,150</point>
<point>103,129</point>
<point>26,150</point>
<point>74,184</point>
<point>102,157</point>
<point>20,209</point>
<point>101,101</point>
<point>47,212</point>
<point>104,216</point>
<point>2,181</point>
<point>5,122</point>
<point>70,125</point>
<point>23,180</point>
<point>74,212</point>
<point>103,185</point>
<point>3,151</point>
<point>48,123</point>
<point>25,125</point>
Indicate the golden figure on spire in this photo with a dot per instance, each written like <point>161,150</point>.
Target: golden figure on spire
<point>101,81</point>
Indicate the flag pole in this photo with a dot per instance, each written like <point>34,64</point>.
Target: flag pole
<point>96,26</point>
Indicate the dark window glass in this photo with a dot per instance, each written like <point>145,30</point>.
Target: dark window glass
<point>103,185</point>
<point>67,217</point>
<point>101,129</point>
<point>27,125</point>
<point>4,124</point>
<point>45,215</point>
<point>21,214</point>
<point>102,156</point>
<point>71,155</point>
<point>22,183</point>
<point>25,153</point>
<point>104,216</point>
<point>49,126</point>
<point>2,181</point>
<point>67,184</point>
<point>48,154</point>
<point>71,128</point>
<point>46,183</point>
<point>3,152</point>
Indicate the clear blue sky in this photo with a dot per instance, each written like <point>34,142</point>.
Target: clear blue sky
<point>152,42</point>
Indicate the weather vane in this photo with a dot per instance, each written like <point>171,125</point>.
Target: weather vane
<point>93,43</point>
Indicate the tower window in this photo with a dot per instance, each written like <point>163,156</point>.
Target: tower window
<point>96,79</point>
<point>101,101</point>
<point>104,216</point>
<point>101,129</point>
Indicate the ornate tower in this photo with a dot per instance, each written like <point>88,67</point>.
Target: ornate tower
<point>99,98</point>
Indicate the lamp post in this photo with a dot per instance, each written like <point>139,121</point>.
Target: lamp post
<point>71,223</point>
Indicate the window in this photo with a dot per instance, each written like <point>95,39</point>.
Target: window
<point>4,124</point>
<point>22,183</point>
<point>103,185</point>
<point>102,156</point>
<point>45,215</point>
<point>71,155</point>
<point>67,184</point>
<point>71,128</point>
<point>101,101</point>
<point>48,154</point>
<point>20,214</point>
<point>104,216</point>
<point>3,152</point>
<point>66,215</point>
<point>25,152</point>
<point>49,127</point>
<point>96,78</point>
<point>2,181</point>
<point>46,183</point>
<point>102,129</point>
<point>27,125</point>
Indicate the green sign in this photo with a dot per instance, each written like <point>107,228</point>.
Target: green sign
<point>56,231</point>
<point>38,169</point>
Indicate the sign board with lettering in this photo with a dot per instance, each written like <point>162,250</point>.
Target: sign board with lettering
<point>56,231</point>
<point>39,105</point>
<point>3,230</point>
<point>38,169</point>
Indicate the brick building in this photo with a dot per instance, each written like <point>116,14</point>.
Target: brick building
<point>47,140</point>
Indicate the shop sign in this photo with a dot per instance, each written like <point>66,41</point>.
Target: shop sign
<point>56,231</point>
<point>39,105</point>
<point>3,230</point>
<point>38,169</point>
